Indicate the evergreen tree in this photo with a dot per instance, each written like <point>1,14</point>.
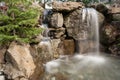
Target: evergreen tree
<point>18,21</point>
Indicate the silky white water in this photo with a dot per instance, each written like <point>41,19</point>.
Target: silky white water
<point>90,16</point>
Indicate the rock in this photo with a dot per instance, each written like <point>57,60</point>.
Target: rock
<point>85,46</point>
<point>115,10</point>
<point>69,46</point>
<point>116,24</point>
<point>56,20</point>
<point>73,24</point>
<point>66,6</point>
<point>116,17</point>
<point>115,49</point>
<point>13,73</point>
<point>109,34</point>
<point>102,8</point>
<point>2,54</point>
<point>38,38</point>
<point>56,32</point>
<point>101,19</point>
<point>19,61</point>
<point>44,50</point>
<point>39,70</point>
<point>55,44</point>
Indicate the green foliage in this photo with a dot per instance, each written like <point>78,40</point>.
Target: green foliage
<point>89,1</point>
<point>19,22</point>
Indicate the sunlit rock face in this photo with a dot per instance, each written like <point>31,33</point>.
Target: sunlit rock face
<point>19,61</point>
<point>66,6</point>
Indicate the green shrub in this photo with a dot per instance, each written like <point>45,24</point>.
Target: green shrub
<point>20,22</point>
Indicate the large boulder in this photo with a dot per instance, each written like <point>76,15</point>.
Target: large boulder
<point>66,6</point>
<point>73,24</point>
<point>56,20</point>
<point>19,61</point>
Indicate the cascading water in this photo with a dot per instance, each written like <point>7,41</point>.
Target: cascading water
<point>90,16</point>
<point>46,41</point>
<point>87,66</point>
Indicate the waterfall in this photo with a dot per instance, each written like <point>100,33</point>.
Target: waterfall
<point>82,66</point>
<point>46,41</point>
<point>90,16</point>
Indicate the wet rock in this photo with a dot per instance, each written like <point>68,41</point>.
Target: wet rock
<point>19,62</point>
<point>56,20</point>
<point>66,6</point>
<point>85,46</point>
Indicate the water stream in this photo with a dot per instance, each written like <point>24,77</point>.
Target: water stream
<point>90,16</point>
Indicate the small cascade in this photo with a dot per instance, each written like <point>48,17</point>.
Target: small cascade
<point>46,31</point>
<point>46,41</point>
<point>90,17</point>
